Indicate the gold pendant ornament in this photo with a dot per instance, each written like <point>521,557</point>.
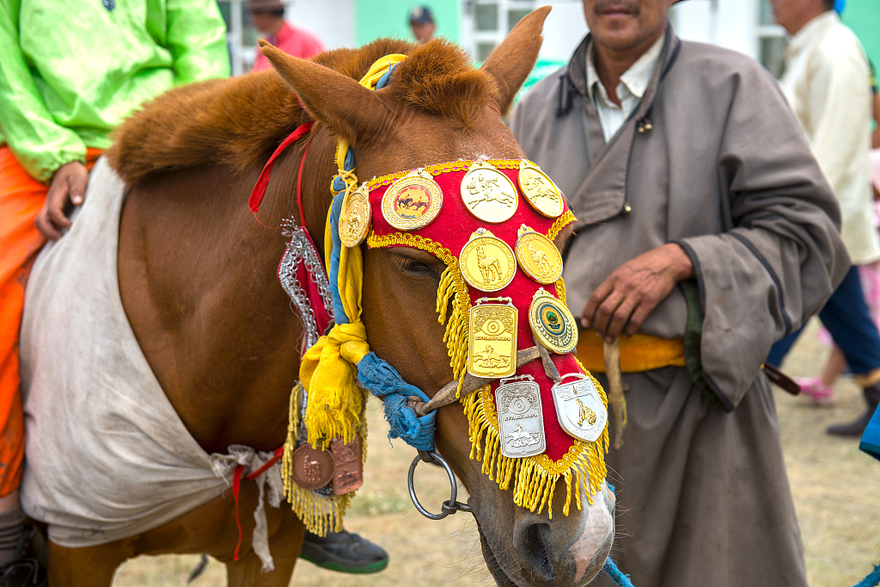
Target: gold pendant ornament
<point>488,194</point>
<point>487,262</point>
<point>413,201</point>
<point>552,323</point>
<point>355,217</point>
<point>579,408</point>
<point>312,467</point>
<point>540,191</point>
<point>538,256</point>
<point>520,419</point>
<point>492,338</point>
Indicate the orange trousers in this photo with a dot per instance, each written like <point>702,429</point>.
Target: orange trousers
<point>21,199</point>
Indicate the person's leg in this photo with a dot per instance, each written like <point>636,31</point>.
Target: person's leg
<point>781,348</point>
<point>847,319</point>
<point>821,389</point>
<point>21,198</point>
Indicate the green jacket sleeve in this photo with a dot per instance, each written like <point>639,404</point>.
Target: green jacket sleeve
<point>40,145</point>
<point>197,40</point>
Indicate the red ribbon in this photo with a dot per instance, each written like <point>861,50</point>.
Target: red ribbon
<point>236,486</point>
<point>263,181</point>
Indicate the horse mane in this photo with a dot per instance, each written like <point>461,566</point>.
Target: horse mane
<point>238,122</point>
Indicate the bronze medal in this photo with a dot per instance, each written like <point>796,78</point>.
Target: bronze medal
<point>579,408</point>
<point>355,217</point>
<point>552,323</point>
<point>348,471</point>
<point>492,338</point>
<point>520,419</point>
<point>488,194</point>
<point>312,467</point>
<point>487,262</point>
<point>538,256</point>
<point>412,202</point>
<point>540,191</point>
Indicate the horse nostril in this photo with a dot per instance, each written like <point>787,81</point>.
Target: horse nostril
<point>531,544</point>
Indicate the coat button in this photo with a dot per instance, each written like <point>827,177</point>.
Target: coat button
<point>627,209</point>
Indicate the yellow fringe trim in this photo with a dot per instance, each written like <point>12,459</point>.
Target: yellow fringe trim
<point>319,513</point>
<point>440,168</point>
<point>567,218</point>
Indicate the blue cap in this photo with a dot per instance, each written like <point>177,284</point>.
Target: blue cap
<point>421,15</point>
<point>839,5</point>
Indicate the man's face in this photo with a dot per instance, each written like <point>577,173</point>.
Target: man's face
<point>624,25</point>
<point>262,21</point>
<point>422,31</point>
<point>793,14</point>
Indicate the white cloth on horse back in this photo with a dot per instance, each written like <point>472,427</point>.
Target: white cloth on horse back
<point>107,455</point>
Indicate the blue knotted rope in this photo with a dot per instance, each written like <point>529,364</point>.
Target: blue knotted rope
<point>612,571</point>
<point>872,580</point>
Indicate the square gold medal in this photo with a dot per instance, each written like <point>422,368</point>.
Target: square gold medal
<point>492,339</point>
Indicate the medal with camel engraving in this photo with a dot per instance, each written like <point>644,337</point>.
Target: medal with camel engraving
<point>579,408</point>
<point>492,338</point>
<point>355,217</point>
<point>488,194</point>
<point>487,262</point>
<point>348,472</point>
<point>413,201</point>
<point>520,420</point>
<point>540,191</point>
<point>312,467</point>
<point>538,256</point>
<point>552,323</point>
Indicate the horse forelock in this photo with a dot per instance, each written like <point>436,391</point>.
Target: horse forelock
<point>238,122</point>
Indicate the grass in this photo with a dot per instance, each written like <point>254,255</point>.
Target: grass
<point>835,488</point>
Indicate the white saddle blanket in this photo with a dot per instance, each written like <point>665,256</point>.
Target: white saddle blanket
<point>107,457</point>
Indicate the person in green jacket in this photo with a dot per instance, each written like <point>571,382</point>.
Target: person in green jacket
<point>70,72</point>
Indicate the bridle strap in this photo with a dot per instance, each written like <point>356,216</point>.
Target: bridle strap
<point>259,190</point>
<point>299,183</point>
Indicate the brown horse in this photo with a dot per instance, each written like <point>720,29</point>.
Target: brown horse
<point>197,278</point>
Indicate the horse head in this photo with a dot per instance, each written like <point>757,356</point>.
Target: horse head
<point>434,119</point>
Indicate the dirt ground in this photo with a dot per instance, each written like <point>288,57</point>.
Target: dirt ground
<point>835,488</point>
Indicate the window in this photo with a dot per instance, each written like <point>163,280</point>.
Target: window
<point>493,20</point>
<point>771,40</point>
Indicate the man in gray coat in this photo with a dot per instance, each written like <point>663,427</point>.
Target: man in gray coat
<point>705,232</point>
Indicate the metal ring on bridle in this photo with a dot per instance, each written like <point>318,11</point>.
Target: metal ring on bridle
<point>451,505</point>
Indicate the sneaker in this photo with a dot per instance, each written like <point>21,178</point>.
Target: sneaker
<point>812,388</point>
<point>344,552</point>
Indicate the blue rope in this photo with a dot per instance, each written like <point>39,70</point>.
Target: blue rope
<point>384,381</point>
<point>338,310</point>
<point>612,571</point>
<point>872,580</point>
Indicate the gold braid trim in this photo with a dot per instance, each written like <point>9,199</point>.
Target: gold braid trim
<point>320,514</point>
<point>440,168</point>
<point>452,289</point>
<point>567,218</point>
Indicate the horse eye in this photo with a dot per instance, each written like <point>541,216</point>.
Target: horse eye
<point>415,267</point>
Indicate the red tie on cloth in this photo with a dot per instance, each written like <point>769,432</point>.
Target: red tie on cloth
<point>236,485</point>
<point>260,187</point>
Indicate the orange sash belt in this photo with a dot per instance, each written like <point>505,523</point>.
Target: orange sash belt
<point>640,352</point>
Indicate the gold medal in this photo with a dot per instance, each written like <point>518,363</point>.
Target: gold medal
<point>579,408</point>
<point>492,338</point>
<point>540,191</point>
<point>412,202</point>
<point>538,256</point>
<point>355,217</point>
<point>487,262</point>
<point>552,323</point>
<point>488,194</point>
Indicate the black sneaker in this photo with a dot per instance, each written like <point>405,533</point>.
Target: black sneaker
<point>344,552</point>
<point>24,572</point>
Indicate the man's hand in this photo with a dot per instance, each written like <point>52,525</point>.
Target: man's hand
<point>68,185</point>
<point>626,297</point>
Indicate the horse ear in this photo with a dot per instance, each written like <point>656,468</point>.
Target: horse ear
<point>346,107</point>
<point>512,61</point>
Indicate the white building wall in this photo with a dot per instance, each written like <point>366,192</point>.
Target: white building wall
<point>333,21</point>
<point>729,23</point>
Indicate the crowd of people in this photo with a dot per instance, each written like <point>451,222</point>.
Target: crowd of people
<point>718,210</point>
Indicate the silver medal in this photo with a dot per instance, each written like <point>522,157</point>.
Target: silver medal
<point>520,421</point>
<point>579,408</point>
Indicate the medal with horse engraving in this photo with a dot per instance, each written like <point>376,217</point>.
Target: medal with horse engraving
<point>487,262</point>
<point>538,256</point>
<point>492,338</point>
<point>413,201</point>
<point>520,420</point>
<point>552,323</point>
<point>312,467</point>
<point>540,191</point>
<point>355,217</point>
<point>348,472</point>
<point>579,408</point>
<point>488,194</point>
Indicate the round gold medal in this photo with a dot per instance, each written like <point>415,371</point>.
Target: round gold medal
<point>487,262</point>
<point>488,194</point>
<point>355,217</point>
<point>538,256</point>
<point>552,323</point>
<point>540,191</point>
<point>412,202</point>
